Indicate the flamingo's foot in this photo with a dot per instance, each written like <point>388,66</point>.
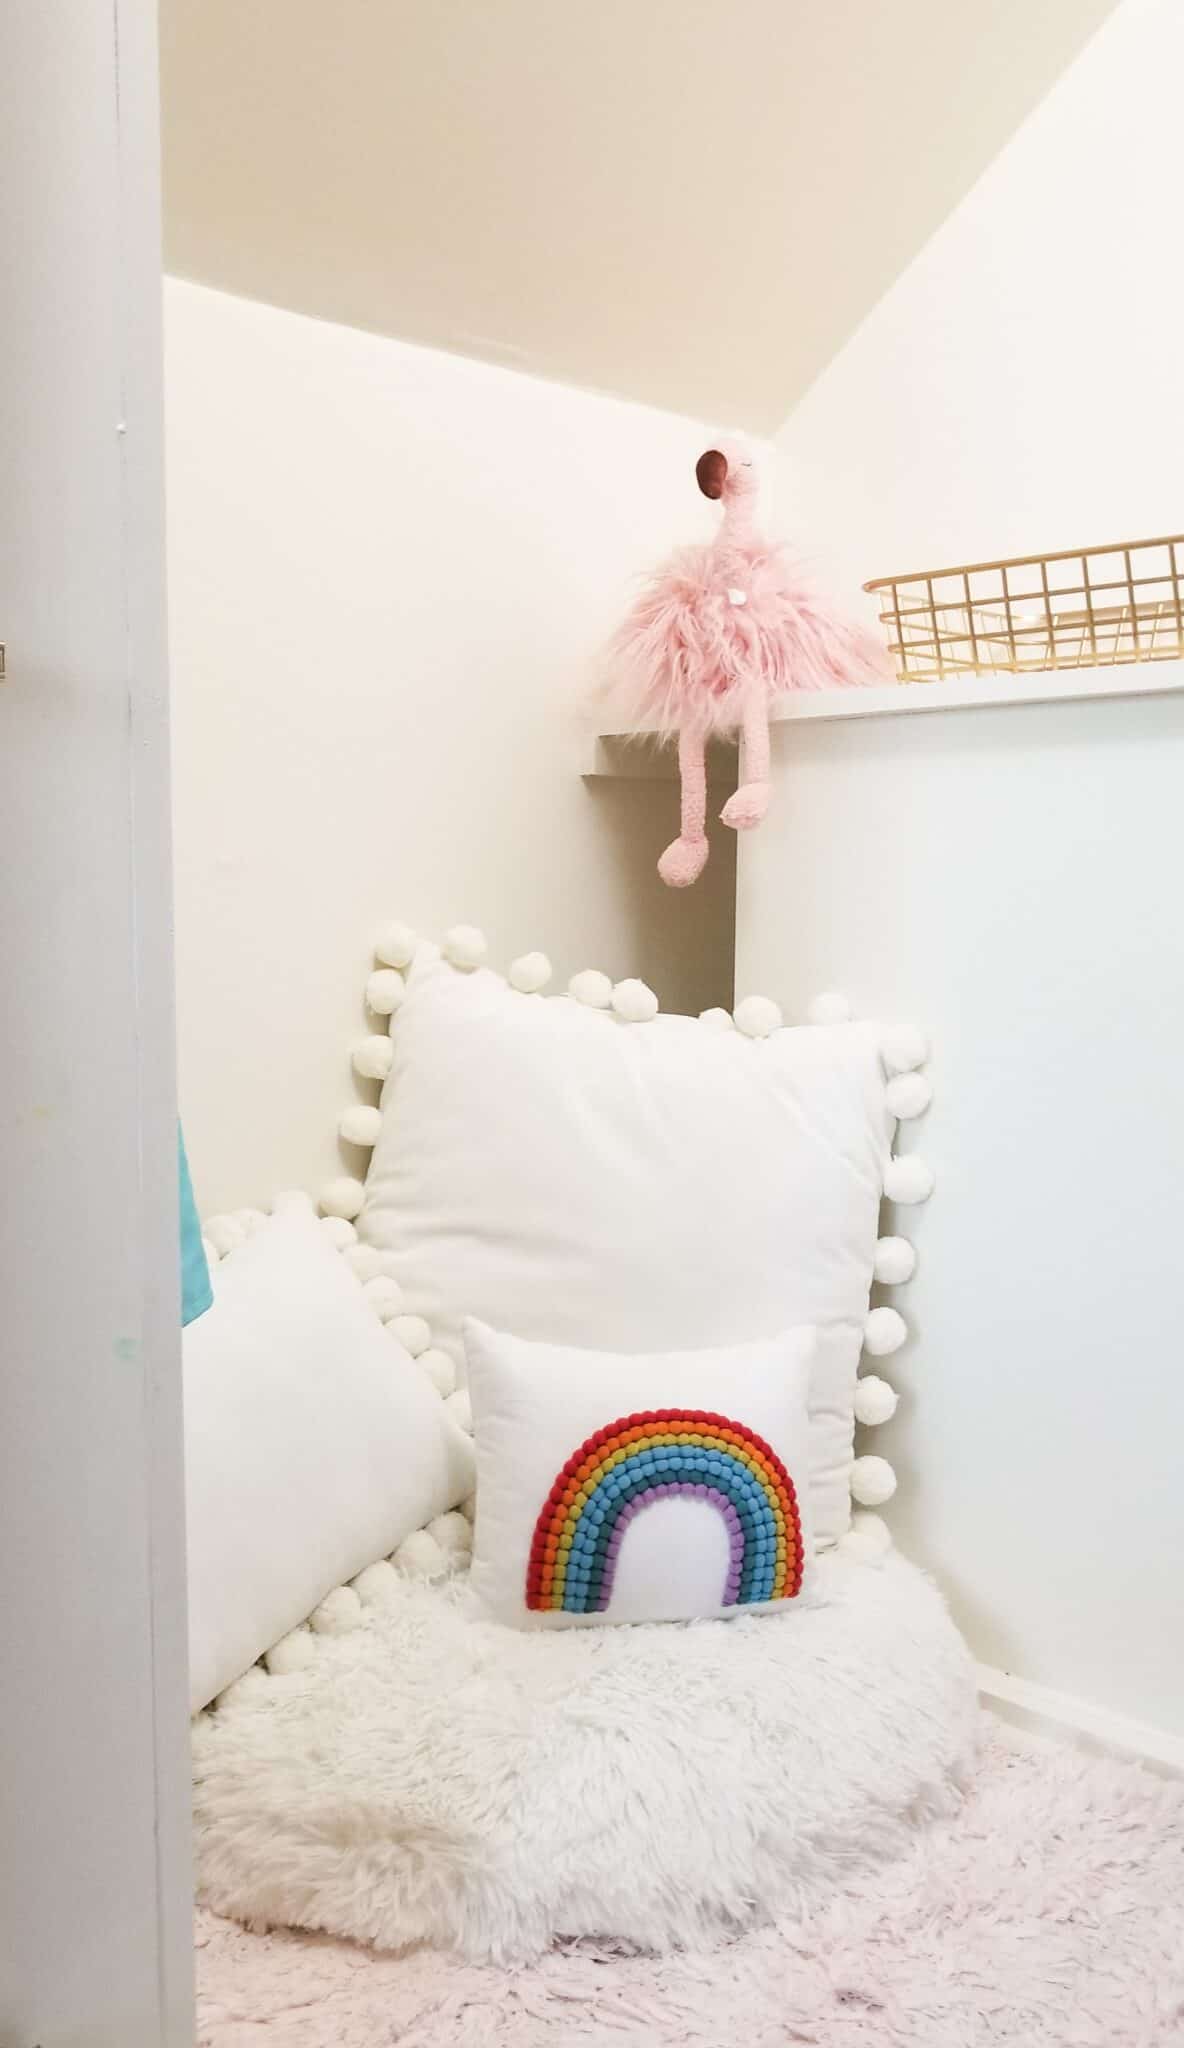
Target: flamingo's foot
<point>683,862</point>
<point>746,807</point>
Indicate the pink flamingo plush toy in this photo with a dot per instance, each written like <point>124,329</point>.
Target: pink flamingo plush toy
<point>718,633</point>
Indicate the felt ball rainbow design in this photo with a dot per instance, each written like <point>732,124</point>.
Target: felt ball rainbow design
<point>639,1459</point>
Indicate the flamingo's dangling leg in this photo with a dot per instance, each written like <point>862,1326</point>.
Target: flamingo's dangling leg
<point>686,857</point>
<point>748,804</point>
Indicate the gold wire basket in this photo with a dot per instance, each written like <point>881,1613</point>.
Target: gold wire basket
<point>1085,608</point>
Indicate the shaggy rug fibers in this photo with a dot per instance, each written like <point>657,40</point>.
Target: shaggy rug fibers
<point>436,1777</point>
<point>1047,1913</point>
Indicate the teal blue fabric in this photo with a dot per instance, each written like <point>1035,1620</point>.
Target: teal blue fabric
<point>196,1293</point>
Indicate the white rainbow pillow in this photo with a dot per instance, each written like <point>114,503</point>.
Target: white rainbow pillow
<point>585,1172</point>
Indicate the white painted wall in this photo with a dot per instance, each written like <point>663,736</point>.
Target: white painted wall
<point>1012,877</point>
<point>96,1940</point>
<point>388,569</point>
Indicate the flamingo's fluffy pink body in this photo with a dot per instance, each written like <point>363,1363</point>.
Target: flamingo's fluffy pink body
<point>717,635</point>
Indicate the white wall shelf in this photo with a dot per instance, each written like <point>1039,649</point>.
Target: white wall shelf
<point>643,757</point>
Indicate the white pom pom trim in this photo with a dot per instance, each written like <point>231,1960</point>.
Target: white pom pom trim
<point>464,947</point>
<point>225,1234</point>
<point>385,991</point>
<point>867,1541</point>
<point>884,1332</point>
<point>872,1482</point>
<point>875,1401</point>
<point>530,973</point>
<point>460,1408</point>
<point>339,1613</point>
<point>371,1058</point>
<point>384,1296</point>
<point>633,1002</point>
<point>908,1095</point>
<point>895,1261</point>
<point>395,945</point>
<point>902,1047</point>
<point>341,1235</point>
<point>294,1652</point>
<point>419,1556</point>
<point>758,1016</point>
<point>829,1008</point>
<point>717,1020</point>
<point>592,987</point>
<point>343,1197</point>
<point>364,1262</point>
<point>378,1585</point>
<point>452,1533</point>
<point>440,1369</point>
<point>412,1332</point>
<point>908,1180</point>
<point>360,1125</point>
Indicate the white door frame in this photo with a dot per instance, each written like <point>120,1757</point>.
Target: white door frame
<point>95,1901</point>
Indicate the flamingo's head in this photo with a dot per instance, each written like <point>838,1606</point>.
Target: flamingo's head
<point>729,470</point>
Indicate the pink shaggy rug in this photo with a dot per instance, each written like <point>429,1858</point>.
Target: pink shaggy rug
<point>1049,1913</point>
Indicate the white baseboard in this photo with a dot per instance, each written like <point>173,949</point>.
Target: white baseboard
<point>1062,1717</point>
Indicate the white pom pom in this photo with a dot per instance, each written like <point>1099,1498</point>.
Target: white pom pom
<point>757,1016</point>
<point>249,1220</point>
<point>529,973</point>
<point>908,1095</point>
<point>378,1585</point>
<point>225,1234</point>
<point>452,1533</point>
<point>395,946</point>
<point>872,1482</point>
<point>829,1008</point>
<point>413,1334</point>
<point>341,1235</point>
<point>895,1261</point>
<point>245,1691</point>
<point>441,1371</point>
<point>385,991</point>
<point>468,1507</point>
<point>343,1197</point>
<point>592,987</point>
<point>464,946</point>
<point>339,1612</point>
<point>419,1556</point>
<point>460,1408</point>
<point>875,1401</point>
<point>293,1652</point>
<point>364,1262</point>
<point>384,1296</point>
<point>884,1332</point>
<point>371,1058</point>
<point>633,1002</point>
<point>903,1047</point>
<point>360,1125</point>
<point>867,1541</point>
<point>908,1179</point>
<point>716,1020</point>
<point>381,1227</point>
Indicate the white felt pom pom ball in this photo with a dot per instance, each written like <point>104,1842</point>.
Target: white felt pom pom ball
<point>867,1540</point>
<point>385,991</point>
<point>875,1400</point>
<point>903,1047</point>
<point>440,1369</point>
<point>360,1124</point>
<point>382,1229</point>
<point>908,1095</point>
<point>343,1197</point>
<point>378,1585</point>
<point>717,1020</point>
<point>872,1482</point>
<point>452,1533</point>
<point>757,1016</point>
<point>633,1002</point>
<point>464,946</point>
<point>884,1332</point>
<point>371,1058</point>
<point>460,1408</point>
<point>249,1220</point>
<point>340,1233</point>
<point>364,1262</point>
<point>246,1691</point>
<point>384,1296</point>
<point>225,1234</point>
<point>529,973</point>
<point>908,1180</point>
<point>339,1612</point>
<point>829,1008</point>
<point>419,1556</point>
<point>592,987</point>
<point>294,1652</point>
<point>412,1332</point>
<point>395,945</point>
<point>895,1261</point>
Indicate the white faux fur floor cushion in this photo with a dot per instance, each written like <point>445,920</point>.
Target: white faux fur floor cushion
<point>435,1777</point>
